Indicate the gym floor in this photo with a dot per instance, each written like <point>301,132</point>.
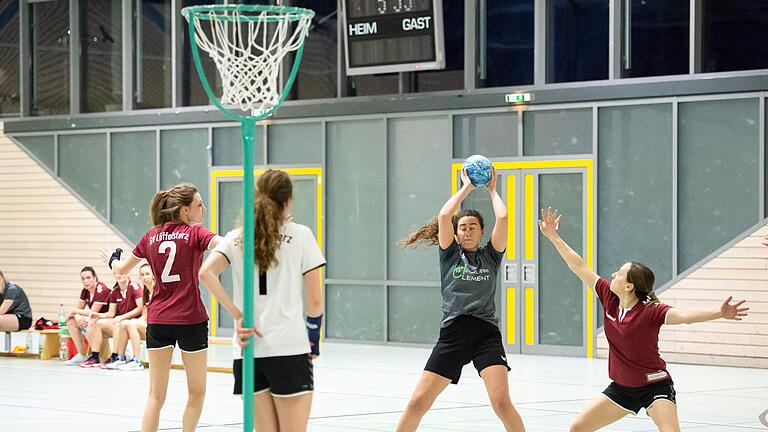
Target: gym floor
<point>365,388</point>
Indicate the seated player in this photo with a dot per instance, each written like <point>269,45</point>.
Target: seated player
<point>125,302</point>
<point>94,297</point>
<point>134,329</point>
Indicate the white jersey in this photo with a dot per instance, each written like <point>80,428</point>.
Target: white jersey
<point>278,301</point>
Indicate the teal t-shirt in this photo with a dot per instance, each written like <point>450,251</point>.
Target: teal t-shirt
<point>468,282</point>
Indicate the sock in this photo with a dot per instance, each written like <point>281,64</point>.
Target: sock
<point>114,357</point>
<point>95,355</point>
<point>121,358</point>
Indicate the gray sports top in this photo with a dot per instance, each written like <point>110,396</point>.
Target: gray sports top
<point>468,282</point>
<point>20,305</point>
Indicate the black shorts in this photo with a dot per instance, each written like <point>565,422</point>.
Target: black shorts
<point>466,339</point>
<point>190,337</point>
<point>634,398</point>
<point>24,322</point>
<point>283,376</point>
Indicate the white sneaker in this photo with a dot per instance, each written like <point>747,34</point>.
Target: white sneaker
<point>76,360</point>
<point>115,364</point>
<point>133,365</point>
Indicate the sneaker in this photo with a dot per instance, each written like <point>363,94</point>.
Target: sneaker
<point>107,363</point>
<point>133,365</point>
<point>115,365</point>
<point>90,363</point>
<point>76,360</point>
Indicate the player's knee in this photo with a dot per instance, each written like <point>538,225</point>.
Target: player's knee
<point>157,394</point>
<point>419,403</point>
<point>125,325</point>
<point>578,426</point>
<point>196,395</point>
<point>502,405</point>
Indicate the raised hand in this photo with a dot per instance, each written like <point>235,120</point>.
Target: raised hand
<point>466,181</point>
<point>549,222</point>
<point>492,184</point>
<point>733,311</point>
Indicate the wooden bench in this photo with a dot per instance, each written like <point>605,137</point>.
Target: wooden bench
<point>50,344</point>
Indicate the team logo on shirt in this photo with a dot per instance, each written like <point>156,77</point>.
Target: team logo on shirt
<point>470,273</point>
<point>164,236</point>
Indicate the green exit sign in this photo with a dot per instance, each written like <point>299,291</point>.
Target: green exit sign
<point>517,97</point>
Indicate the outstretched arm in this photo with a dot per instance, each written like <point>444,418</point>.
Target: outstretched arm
<point>118,261</point>
<point>549,224</point>
<point>500,229</point>
<point>727,311</point>
<point>444,225</point>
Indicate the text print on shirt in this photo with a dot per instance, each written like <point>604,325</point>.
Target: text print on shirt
<point>465,271</point>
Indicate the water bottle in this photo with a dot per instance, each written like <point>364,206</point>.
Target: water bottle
<point>63,330</point>
<point>28,344</point>
<point>63,334</point>
<point>63,349</point>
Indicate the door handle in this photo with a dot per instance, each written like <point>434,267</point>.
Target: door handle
<point>529,273</point>
<point>510,273</point>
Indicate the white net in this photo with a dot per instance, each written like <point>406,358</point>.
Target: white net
<point>248,48</point>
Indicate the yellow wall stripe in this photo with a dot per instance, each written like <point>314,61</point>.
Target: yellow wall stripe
<point>511,316</point>
<point>590,252</point>
<point>511,219</point>
<point>529,212</point>
<point>529,313</point>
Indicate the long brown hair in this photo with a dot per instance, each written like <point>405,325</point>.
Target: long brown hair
<point>428,233</point>
<point>273,190</point>
<point>145,294</point>
<point>166,205</point>
<point>643,279</point>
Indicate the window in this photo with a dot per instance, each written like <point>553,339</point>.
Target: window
<point>101,63</point>
<point>50,42</point>
<point>577,40</point>
<point>733,35</point>
<point>656,38</point>
<point>505,43</point>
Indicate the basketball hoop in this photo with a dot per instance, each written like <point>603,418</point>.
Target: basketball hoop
<point>247,43</point>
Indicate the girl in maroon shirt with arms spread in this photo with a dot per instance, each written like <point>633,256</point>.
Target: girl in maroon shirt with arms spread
<point>633,316</point>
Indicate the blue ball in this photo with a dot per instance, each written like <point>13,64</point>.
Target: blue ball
<point>479,169</point>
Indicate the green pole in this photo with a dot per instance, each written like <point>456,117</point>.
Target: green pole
<point>248,130</point>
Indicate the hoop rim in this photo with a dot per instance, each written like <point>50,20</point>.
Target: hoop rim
<point>221,13</point>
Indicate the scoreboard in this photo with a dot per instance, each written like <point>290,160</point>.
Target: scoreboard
<point>383,36</point>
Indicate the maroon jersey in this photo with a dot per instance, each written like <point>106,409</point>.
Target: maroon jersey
<point>99,301</point>
<point>125,301</point>
<point>633,339</point>
<point>175,253</point>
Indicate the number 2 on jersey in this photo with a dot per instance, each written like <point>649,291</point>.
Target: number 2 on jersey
<point>171,248</point>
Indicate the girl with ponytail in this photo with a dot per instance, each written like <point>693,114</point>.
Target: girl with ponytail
<point>174,249</point>
<point>470,329</point>
<point>633,317</point>
<point>287,262</point>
